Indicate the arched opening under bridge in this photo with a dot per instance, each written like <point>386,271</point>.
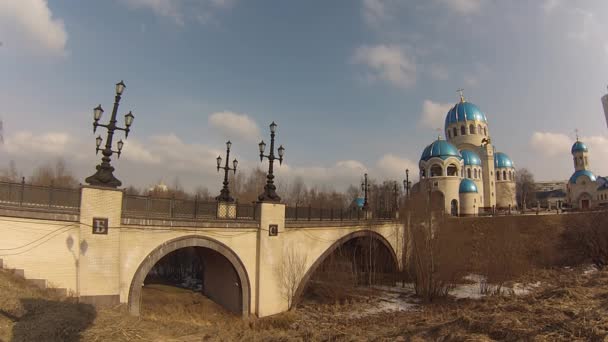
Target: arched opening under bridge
<point>197,263</point>
<point>362,258</point>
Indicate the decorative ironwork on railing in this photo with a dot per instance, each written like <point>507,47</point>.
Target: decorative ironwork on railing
<point>309,213</point>
<point>44,198</point>
<point>135,206</point>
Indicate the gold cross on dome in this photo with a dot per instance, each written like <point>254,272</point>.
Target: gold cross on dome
<point>439,130</point>
<point>576,132</point>
<point>461,92</point>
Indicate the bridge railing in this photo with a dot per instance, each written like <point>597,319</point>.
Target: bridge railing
<point>135,206</point>
<point>43,198</point>
<point>309,213</point>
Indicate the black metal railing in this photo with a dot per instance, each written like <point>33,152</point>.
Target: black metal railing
<point>309,213</point>
<point>46,198</point>
<point>135,206</point>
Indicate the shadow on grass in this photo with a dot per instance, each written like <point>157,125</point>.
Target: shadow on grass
<point>46,320</point>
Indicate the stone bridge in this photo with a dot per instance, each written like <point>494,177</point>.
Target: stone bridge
<point>92,244</point>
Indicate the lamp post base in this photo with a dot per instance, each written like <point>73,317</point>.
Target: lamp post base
<point>104,177</point>
<point>269,194</point>
<point>269,198</point>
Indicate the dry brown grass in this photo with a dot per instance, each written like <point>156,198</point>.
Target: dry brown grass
<point>571,306</point>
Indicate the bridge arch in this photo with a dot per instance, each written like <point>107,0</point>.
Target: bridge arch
<point>358,234</point>
<point>135,288</point>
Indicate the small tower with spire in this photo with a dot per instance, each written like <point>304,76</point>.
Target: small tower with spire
<point>580,154</point>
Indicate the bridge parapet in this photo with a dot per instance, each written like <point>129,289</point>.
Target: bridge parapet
<point>27,197</point>
<point>148,207</point>
<point>310,213</point>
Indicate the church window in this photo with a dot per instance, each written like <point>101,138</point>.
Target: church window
<point>436,171</point>
<point>463,130</point>
<point>485,131</point>
<point>479,129</point>
<point>469,173</point>
<point>452,170</point>
<point>498,176</point>
<point>447,134</point>
<point>423,173</point>
<point>504,175</point>
<point>472,129</point>
<point>475,173</point>
<point>454,132</point>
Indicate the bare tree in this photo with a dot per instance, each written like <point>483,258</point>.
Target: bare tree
<point>297,191</point>
<point>525,189</point>
<point>57,175</point>
<point>290,272</point>
<point>10,174</point>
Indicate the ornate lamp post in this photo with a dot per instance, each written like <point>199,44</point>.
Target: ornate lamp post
<point>365,188</point>
<point>395,197</point>
<point>104,175</point>
<point>269,194</point>
<point>225,193</point>
<point>407,184</point>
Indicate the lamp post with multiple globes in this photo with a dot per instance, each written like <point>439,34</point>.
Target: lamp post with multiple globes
<point>269,194</point>
<point>225,192</point>
<point>104,176</point>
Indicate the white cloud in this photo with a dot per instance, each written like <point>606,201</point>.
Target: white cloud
<point>139,153</point>
<point>463,7</point>
<point>557,145</point>
<point>178,10</point>
<point>349,172</point>
<point>391,166</point>
<point>433,114</point>
<point>550,5</point>
<point>439,72</point>
<point>28,143</point>
<point>30,25</point>
<point>479,73</point>
<point>551,144</point>
<point>235,125</point>
<point>588,26</point>
<point>374,11</point>
<point>389,63</point>
<point>182,156</point>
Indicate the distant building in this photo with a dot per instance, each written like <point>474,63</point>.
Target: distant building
<point>159,188</point>
<point>605,103</point>
<point>551,194</point>
<point>465,167</point>
<point>547,186</point>
<point>585,190</point>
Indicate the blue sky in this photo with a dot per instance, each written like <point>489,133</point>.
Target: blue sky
<point>353,85</point>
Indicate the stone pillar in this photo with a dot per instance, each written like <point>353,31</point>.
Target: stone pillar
<point>489,176</point>
<point>99,258</point>
<point>270,296</point>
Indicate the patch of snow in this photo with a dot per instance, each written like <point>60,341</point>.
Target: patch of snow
<point>590,269</point>
<point>471,291</point>
<point>385,302</point>
<point>475,277</point>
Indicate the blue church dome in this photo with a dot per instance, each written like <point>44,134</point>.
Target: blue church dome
<point>462,110</point>
<point>579,173</point>
<point>440,149</point>
<point>579,146</point>
<point>502,160</point>
<point>470,158</point>
<point>467,186</point>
